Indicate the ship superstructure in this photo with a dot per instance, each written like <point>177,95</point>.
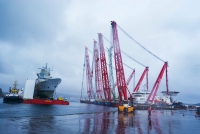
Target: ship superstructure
<point>45,85</point>
<point>140,97</point>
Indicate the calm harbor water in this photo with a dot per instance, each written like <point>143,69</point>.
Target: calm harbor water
<point>87,118</point>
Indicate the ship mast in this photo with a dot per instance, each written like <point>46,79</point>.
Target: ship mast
<point>15,85</point>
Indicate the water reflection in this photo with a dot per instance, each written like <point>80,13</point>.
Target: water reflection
<point>84,118</point>
<point>114,122</point>
<point>106,123</point>
<point>87,125</point>
<point>149,123</point>
<point>36,124</point>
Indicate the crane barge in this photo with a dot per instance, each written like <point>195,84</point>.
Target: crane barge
<point>105,83</point>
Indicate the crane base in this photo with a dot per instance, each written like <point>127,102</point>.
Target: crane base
<point>48,102</point>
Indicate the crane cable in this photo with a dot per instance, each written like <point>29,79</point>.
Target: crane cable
<point>83,78</point>
<point>139,43</point>
<point>107,64</point>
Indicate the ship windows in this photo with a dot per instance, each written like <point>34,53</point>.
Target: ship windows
<point>137,95</point>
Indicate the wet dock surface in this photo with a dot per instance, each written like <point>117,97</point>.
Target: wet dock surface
<point>87,118</point>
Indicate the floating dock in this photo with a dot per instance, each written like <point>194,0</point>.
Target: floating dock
<point>136,106</point>
<point>103,103</point>
<point>43,101</point>
<point>153,107</point>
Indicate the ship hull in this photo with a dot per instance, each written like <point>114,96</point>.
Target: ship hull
<point>46,102</point>
<point>44,88</point>
<point>12,99</point>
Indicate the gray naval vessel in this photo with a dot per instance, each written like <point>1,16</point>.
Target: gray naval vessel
<point>45,85</point>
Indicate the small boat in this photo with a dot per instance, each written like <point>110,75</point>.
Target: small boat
<point>14,95</point>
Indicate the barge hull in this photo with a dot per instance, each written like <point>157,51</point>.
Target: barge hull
<point>46,102</point>
<point>102,103</point>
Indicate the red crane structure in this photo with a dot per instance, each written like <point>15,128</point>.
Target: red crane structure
<point>154,90</point>
<point>152,95</point>
<point>137,87</point>
<point>130,77</point>
<point>121,81</point>
<point>88,74</point>
<point>104,72</point>
<point>98,80</point>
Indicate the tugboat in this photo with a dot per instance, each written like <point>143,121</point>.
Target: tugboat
<point>14,95</point>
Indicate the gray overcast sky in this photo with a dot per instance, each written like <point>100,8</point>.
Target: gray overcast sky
<point>34,32</point>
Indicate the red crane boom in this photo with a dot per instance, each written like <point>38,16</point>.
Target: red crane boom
<point>141,79</point>
<point>104,72</point>
<point>121,81</point>
<point>130,77</point>
<point>153,92</point>
<point>88,74</point>
<point>98,80</point>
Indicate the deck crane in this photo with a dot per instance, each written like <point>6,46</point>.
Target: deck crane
<point>137,87</point>
<point>145,70</point>
<point>164,68</point>
<point>129,78</point>
<point>110,72</point>
<point>121,81</point>
<point>154,90</point>
<point>88,74</point>
<point>143,74</point>
<point>111,77</point>
<point>98,80</point>
<point>105,80</point>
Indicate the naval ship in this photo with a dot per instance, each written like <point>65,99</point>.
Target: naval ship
<point>45,85</point>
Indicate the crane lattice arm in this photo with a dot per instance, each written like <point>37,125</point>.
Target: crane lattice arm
<point>88,74</point>
<point>104,72</point>
<point>98,80</point>
<point>141,79</point>
<point>130,77</point>
<point>121,81</point>
<point>153,92</point>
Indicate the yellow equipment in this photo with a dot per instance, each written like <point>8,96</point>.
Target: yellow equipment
<point>125,108</point>
<point>60,98</point>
